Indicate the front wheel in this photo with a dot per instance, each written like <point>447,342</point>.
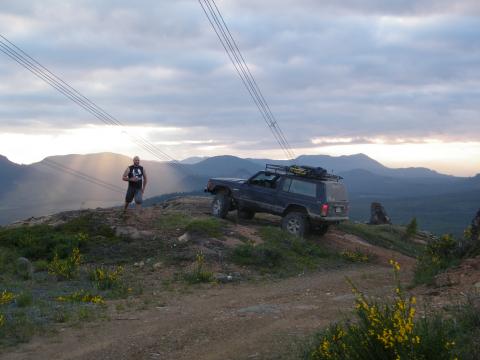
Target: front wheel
<point>220,205</point>
<point>296,223</point>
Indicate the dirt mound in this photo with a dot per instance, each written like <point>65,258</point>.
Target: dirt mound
<point>455,284</point>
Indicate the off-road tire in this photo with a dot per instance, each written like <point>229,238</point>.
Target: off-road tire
<point>221,205</point>
<point>245,214</point>
<point>296,223</point>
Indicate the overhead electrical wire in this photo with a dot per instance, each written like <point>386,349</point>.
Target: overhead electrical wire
<point>32,65</point>
<point>223,33</point>
<point>82,176</point>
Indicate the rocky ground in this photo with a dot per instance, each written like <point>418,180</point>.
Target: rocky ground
<point>243,315</point>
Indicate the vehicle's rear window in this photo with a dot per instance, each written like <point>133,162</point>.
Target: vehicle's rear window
<point>336,192</point>
<point>300,187</point>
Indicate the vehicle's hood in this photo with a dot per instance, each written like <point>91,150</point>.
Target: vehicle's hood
<point>236,180</point>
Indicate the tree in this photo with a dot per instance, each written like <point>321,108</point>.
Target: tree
<point>412,227</point>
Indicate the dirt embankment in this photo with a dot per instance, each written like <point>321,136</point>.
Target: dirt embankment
<point>261,319</point>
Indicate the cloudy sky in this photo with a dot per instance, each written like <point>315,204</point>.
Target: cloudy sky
<point>396,80</point>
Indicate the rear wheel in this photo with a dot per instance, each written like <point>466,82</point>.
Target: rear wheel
<point>221,205</point>
<point>296,223</point>
<point>246,214</point>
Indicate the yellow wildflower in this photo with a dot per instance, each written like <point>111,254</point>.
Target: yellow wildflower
<point>6,297</point>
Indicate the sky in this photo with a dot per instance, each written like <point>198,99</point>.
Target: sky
<point>396,80</point>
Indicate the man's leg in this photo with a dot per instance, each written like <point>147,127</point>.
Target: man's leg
<point>129,197</point>
<point>138,200</point>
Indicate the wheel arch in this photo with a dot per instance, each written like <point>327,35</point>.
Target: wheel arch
<point>219,189</point>
<point>294,207</point>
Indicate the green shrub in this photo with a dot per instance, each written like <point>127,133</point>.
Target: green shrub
<point>280,252</point>
<point>7,260</point>
<point>41,241</point>
<point>82,296</point>
<point>386,330</point>
<point>355,256</point>
<point>40,265</point>
<point>387,236</point>
<point>104,278</point>
<point>24,299</point>
<point>439,254</point>
<point>65,269</point>
<point>412,228</point>
<point>199,273</point>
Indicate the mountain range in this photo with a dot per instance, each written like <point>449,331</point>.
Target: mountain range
<point>442,203</point>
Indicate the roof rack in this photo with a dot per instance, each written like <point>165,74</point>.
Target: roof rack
<point>303,171</point>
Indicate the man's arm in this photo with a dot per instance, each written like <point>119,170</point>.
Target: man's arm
<point>125,175</point>
<point>144,180</point>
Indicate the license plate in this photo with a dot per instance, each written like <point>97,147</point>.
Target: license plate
<point>338,210</point>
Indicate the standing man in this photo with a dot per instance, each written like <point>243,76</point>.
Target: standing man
<point>137,180</point>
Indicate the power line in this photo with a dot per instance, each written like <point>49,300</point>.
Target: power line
<point>32,65</point>
<point>220,27</point>
<point>82,176</point>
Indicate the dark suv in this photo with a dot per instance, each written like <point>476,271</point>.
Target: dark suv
<point>303,196</point>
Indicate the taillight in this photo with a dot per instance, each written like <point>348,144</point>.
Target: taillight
<point>324,211</point>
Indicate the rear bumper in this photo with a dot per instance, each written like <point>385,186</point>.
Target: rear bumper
<point>330,219</point>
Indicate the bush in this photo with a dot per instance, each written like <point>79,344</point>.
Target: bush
<point>280,251</point>
<point>386,331</point>
<point>412,228</point>
<point>65,269</point>
<point>439,254</point>
<point>198,274</point>
<point>104,278</point>
<point>24,299</point>
<point>82,296</point>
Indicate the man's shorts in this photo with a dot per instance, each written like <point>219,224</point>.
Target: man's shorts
<point>134,193</point>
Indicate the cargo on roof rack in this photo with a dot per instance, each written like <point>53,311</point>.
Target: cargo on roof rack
<point>302,170</point>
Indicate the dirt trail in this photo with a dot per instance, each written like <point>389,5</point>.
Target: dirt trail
<point>234,321</point>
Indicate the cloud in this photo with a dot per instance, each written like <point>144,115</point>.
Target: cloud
<point>330,70</point>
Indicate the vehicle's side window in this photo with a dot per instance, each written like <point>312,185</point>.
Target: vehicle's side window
<point>265,180</point>
<point>286,184</point>
<point>302,188</point>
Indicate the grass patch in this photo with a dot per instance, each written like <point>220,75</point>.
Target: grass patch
<point>179,221</point>
<point>282,253</point>
<point>173,221</point>
<point>388,236</point>
<point>42,242</point>
<point>209,226</point>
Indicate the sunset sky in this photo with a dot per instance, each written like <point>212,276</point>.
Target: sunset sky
<point>396,80</point>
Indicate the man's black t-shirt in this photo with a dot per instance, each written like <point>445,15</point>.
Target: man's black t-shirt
<point>138,172</point>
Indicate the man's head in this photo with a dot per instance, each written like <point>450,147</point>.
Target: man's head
<point>136,160</point>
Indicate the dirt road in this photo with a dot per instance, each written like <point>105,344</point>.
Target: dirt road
<point>234,321</point>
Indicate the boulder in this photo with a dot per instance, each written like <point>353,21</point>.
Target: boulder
<point>378,215</point>
<point>24,268</point>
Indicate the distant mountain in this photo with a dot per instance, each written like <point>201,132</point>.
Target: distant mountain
<point>225,166</point>
<point>193,160</point>
<point>439,201</point>
<point>339,164</point>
